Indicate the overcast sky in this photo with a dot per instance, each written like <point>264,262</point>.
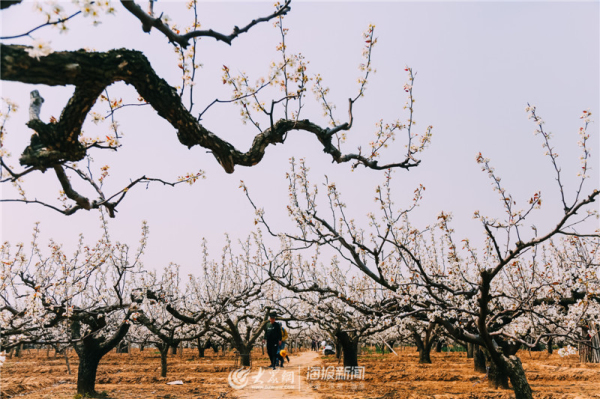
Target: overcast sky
<point>478,64</point>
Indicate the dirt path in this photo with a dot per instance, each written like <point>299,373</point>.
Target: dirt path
<point>287,382</point>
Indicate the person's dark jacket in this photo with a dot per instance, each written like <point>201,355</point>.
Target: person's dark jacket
<point>273,333</point>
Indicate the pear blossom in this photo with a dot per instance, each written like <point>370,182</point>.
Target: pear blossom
<point>40,48</point>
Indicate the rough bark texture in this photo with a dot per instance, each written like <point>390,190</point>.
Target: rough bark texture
<point>515,372</point>
<point>86,374</point>
<point>92,72</point>
<point>7,3</point>
<point>164,352</point>
<point>479,360</point>
<point>469,351</point>
<point>424,345</point>
<point>90,351</point>
<point>245,357</point>
<point>349,347</point>
<point>497,377</point>
<point>425,356</point>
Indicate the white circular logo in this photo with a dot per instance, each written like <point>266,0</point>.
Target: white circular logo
<point>238,378</point>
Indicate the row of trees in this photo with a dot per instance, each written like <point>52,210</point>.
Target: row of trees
<point>385,282</point>
<point>523,287</point>
<point>516,286</point>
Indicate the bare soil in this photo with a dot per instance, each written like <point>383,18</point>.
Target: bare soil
<point>451,375</point>
<point>137,375</point>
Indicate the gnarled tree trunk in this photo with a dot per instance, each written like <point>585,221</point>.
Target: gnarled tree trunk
<point>516,373</point>
<point>349,347</point>
<point>90,351</point>
<point>245,360</point>
<point>424,345</point>
<point>89,359</point>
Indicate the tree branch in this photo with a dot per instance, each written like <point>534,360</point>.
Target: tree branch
<point>91,73</point>
<point>149,22</point>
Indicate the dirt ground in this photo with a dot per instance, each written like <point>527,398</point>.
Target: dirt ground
<point>451,375</point>
<point>308,375</point>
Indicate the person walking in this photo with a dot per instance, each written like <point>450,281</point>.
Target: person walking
<point>273,337</point>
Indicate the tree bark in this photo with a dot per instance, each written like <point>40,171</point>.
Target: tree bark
<point>200,351</point>
<point>439,346</point>
<point>123,347</point>
<point>549,346</point>
<point>424,348</point>
<point>245,357</point>
<point>18,350</point>
<point>425,356</point>
<point>497,377</point>
<point>425,344</point>
<point>516,373</point>
<point>479,360</point>
<point>86,375</point>
<point>90,351</point>
<point>66,352</point>
<point>351,354</point>
<point>469,351</point>
<point>164,351</point>
<point>92,72</point>
<point>349,346</point>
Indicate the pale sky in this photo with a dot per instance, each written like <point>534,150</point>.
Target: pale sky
<point>478,64</point>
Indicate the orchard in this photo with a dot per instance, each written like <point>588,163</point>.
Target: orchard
<point>279,163</point>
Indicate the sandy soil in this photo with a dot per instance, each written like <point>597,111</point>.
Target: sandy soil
<point>137,375</point>
<point>287,382</point>
<point>451,375</point>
